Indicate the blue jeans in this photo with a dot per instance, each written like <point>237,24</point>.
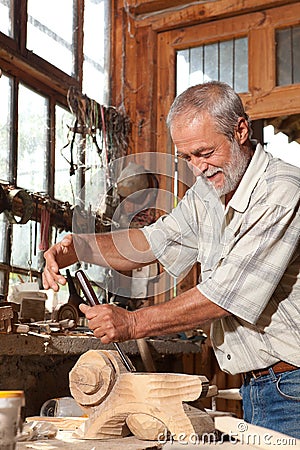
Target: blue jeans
<point>273,401</point>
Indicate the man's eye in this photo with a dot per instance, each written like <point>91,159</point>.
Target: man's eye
<point>185,157</point>
<point>207,155</point>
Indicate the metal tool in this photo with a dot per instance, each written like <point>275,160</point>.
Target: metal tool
<point>93,300</point>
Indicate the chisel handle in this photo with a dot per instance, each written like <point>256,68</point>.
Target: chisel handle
<point>92,299</point>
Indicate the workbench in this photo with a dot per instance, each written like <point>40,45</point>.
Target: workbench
<point>29,345</point>
<point>40,365</point>
<point>66,442</point>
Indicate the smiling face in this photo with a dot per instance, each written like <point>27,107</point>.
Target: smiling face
<point>221,161</point>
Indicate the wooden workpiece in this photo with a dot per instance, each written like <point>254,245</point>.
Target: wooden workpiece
<point>118,402</point>
<point>6,314</point>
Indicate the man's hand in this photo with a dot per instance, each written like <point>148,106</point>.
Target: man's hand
<point>58,256</point>
<point>110,323</point>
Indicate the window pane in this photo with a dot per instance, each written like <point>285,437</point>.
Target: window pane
<point>287,56</point>
<point>2,285</point>
<point>211,62</point>
<point>32,143</point>
<point>23,246</point>
<point>183,71</point>
<point>50,38</point>
<point>62,179</point>
<point>241,65</point>
<point>6,7</point>
<point>96,49</point>
<point>225,61</point>
<point>95,179</point>
<point>5,128</point>
<point>296,55</point>
<point>196,65</point>
<point>3,229</point>
<point>284,57</point>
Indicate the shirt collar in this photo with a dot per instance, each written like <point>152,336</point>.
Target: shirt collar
<point>256,168</point>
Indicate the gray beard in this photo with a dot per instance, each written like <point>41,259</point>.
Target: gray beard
<point>233,171</point>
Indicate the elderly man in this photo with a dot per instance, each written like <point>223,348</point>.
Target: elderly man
<point>249,288</point>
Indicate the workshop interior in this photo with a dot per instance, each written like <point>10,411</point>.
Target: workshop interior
<point>85,89</point>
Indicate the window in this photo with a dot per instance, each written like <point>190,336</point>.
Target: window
<point>287,56</point>
<point>52,39</point>
<point>5,17</point>
<point>225,61</point>
<point>45,49</point>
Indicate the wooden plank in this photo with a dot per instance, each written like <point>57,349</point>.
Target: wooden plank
<point>214,31</point>
<point>192,13</point>
<point>137,7</point>
<point>39,75</point>
<point>145,111</point>
<point>61,423</point>
<point>260,437</point>
<point>165,96</point>
<point>280,101</point>
<point>65,441</point>
<point>261,60</point>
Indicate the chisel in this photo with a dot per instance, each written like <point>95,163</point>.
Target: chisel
<point>92,299</point>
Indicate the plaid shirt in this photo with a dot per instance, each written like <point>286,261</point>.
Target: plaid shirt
<point>250,257</point>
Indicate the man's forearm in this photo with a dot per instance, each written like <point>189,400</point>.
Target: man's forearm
<point>187,311</point>
<point>121,250</point>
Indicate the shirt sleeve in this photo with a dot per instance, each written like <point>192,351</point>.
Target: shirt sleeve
<point>246,277</point>
<point>173,238</point>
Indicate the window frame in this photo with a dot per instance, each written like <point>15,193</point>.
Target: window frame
<point>34,72</point>
<point>17,60</point>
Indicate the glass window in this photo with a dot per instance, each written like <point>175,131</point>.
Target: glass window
<point>240,69</point>
<point>32,143</point>
<point>210,62</point>
<point>63,189</point>
<point>223,61</point>
<point>288,56</point>
<point>95,49</point>
<point>95,180</point>
<point>25,243</point>
<point>3,225</point>
<point>73,36</point>
<point>5,126</point>
<point>50,34</point>
<point>5,17</point>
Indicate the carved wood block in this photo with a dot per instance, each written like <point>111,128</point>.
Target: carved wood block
<point>117,401</point>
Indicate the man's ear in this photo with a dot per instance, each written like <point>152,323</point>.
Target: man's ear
<point>242,130</point>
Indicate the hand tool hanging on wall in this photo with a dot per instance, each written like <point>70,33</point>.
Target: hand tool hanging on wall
<point>93,301</point>
<point>20,204</point>
<point>45,224</point>
<point>3,200</point>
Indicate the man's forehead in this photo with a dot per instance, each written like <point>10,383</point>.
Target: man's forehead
<point>191,118</point>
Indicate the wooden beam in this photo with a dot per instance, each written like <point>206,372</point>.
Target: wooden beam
<point>139,7</point>
<point>37,73</point>
<point>196,12</point>
<point>284,100</point>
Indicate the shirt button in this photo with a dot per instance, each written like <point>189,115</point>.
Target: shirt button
<point>228,356</point>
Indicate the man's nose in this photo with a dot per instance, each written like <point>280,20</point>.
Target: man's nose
<point>199,163</point>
